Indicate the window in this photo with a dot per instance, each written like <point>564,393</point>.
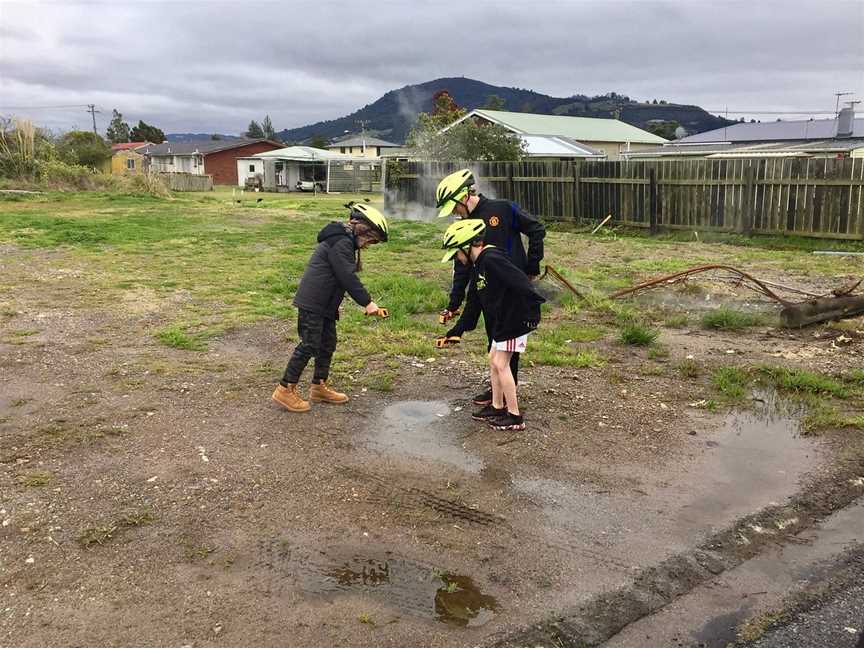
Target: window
<point>251,168</point>
<point>130,164</point>
<point>341,149</point>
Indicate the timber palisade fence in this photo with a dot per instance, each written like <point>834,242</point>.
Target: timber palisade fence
<point>821,198</point>
<point>187,181</point>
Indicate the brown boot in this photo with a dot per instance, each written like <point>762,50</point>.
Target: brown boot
<point>322,393</point>
<point>288,398</point>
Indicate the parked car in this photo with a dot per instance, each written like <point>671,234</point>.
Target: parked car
<point>309,185</point>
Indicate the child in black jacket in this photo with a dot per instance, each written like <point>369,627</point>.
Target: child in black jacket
<point>506,297</point>
<point>331,272</point>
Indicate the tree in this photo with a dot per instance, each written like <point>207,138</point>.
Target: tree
<point>494,102</point>
<point>216,136</point>
<point>267,128</point>
<point>466,140</point>
<point>84,148</point>
<point>664,129</point>
<point>147,133</point>
<point>318,141</point>
<point>118,130</point>
<point>254,131</point>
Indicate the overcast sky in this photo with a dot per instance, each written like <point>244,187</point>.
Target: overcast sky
<point>205,66</point>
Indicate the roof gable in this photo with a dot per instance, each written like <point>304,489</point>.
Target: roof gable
<point>203,147</point>
<point>357,140</point>
<point>583,129</point>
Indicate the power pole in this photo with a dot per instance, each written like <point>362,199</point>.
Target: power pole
<point>91,108</point>
<point>363,123</point>
<point>837,103</point>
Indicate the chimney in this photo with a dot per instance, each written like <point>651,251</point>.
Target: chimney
<point>846,122</point>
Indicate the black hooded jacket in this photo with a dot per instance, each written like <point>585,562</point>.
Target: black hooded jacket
<point>505,293</point>
<point>331,272</point>
<point>505,223</point>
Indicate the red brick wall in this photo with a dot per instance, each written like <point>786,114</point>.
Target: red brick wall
<point>222,165</point>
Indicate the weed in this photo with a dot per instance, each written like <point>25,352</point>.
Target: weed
<point>658,351</point>
<point>199,552</point>
<point>176,338</point>
<point>689,368</point>
<point>35,479</point>
<point>638,335</point>
<point>679,320</point>
<point>728,319</point>
<point>731,382</point>
<point>804,381</point>
<point>366,618</point>
<point>18,402</point>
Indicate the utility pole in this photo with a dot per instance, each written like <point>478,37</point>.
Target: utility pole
<point>363,123</point>
<point>91,108</point>
<point>837,103</point>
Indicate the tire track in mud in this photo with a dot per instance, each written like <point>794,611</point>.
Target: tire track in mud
<point>384,491</point>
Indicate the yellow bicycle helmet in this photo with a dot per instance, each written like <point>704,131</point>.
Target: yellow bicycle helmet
<point>460,235</point>
<point>451,190</point>
<point>372,216</point>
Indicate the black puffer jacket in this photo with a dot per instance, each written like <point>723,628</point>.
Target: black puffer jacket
<point>505,295</point>
<point>331,272</point>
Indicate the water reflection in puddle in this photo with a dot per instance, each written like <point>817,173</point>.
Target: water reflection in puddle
<point>406,585</point>
<point>755,459</point>
<point>421,429</point>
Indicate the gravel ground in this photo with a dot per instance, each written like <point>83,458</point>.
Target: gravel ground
<point>837,621</point>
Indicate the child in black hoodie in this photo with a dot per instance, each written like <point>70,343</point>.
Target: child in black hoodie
<point>331,272</point>
<point>507,298</point>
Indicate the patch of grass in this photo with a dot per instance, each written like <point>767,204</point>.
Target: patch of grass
<point>731,382</point>
<point>381,381</point>
<point>638,335</point>
<point>658,352</point>
<point>803,381</point>
<point>823,416</point>
<point>690,368</point>
<point>679,320</point>
<point>35,479</point>
<point>729,319</point>
<point>554,346</point>
<point>137,518</point>
<point>176,338</point>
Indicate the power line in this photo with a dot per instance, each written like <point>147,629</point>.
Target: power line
<point>44,107</point>
<point>770,112</point>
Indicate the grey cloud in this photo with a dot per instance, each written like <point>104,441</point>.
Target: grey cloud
<point>214,66</point>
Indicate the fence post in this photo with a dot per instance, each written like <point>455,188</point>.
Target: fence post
<point>511,185</point>
<point>746,224</point>
<point>577,168</point>
<point>652,200</point>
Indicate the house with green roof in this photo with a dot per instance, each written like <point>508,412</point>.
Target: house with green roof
<point>545,135</point>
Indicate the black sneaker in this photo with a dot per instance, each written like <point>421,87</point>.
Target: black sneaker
<point>483,399</point>
<point>488,412</point>
<point>507,421</point>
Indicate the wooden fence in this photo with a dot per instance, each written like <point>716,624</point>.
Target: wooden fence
<point>187,181</point>
<point>801,196</point>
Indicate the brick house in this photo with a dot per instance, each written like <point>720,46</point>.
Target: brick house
<point>217,158</point>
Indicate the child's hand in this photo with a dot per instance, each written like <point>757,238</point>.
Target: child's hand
<point>371,308</point>
<point>446,315</point>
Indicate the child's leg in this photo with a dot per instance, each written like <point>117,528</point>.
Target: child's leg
<point>325,351</point>
<point>310,329</point>
<point>497,394</point>
<point>506,384</point>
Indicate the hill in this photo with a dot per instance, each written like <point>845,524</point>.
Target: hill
<point>392,116</point>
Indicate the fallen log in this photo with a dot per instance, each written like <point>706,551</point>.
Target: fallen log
<point>821,310</point>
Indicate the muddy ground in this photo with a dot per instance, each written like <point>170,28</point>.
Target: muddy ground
<point>156,497</point>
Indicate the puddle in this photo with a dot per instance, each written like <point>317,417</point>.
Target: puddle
<point>409,586</point>
<point>755,459</point>
<point>424,430</point>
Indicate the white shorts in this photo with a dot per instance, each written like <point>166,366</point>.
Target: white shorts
<point>516,345</point>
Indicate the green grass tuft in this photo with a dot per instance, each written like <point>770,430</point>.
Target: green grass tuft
<point>731,382</point>
<point>638,335</point>
<point>728,319</point>
<point>176,338</point>
<point>803,381</point>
